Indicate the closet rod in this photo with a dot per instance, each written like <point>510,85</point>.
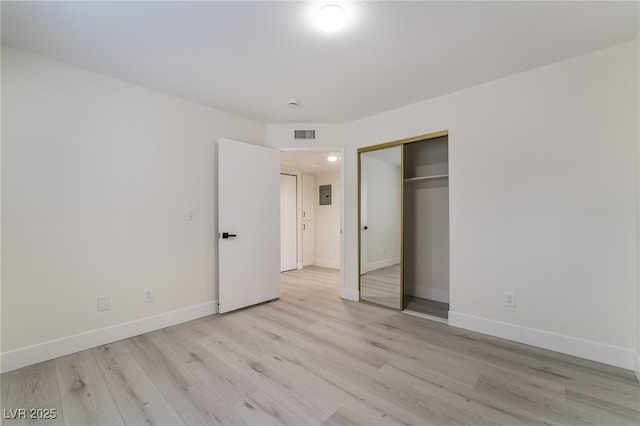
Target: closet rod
<point>419,178</point>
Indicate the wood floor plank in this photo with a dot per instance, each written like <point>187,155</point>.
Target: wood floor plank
<point>550,411</point>
<point>86,400</point>
<point>326,388</point>
<point>344,417</point>
<point>556,367</point>
<point>135,395</point>
<point>4,391</point>
<point>354,343</point>
<point>168,373</point>
<point>197,405</point>
<point>377,409</point>
<point>422,405</point>
<point>602,412</point>
<point>261,409</point>
<point>311,358</point>
<point>460,394</point>
<point>32,388</point>
<point>225,382</point>
<point>280,338</point>
<point>183,341</point>
<point>300,398</point>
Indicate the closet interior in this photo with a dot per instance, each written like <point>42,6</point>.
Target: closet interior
<point>404,225</point>
<point>426,227</point>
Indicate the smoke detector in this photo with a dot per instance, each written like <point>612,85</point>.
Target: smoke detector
<point>293,103</point>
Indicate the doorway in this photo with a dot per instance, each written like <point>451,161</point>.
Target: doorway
<point>320,211</point>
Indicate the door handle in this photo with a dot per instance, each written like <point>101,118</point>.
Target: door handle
<point>366,227</point>
<point>226,235</point>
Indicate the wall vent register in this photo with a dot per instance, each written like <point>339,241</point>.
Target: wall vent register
<point>304,134</point>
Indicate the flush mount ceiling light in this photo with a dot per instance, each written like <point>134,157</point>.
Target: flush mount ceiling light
<point>332,158</point>
<point>293,103</point>
<point>331,18</point>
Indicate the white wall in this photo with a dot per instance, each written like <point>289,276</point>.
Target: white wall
<point>96,177</point>
<point>543,194</point>
<point>327,224</point>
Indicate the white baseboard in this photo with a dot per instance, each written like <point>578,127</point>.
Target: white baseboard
<point>382,264</point>
<point>637,369</point>
<point>350,294</point>
<point>587,349</point>
<point>427,293</point>
<point>333,264</point>
<point>67,345</point>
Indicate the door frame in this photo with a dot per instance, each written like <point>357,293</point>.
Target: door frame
<point>282,227</point>
<point>327,150</point>
<point>401,143</point>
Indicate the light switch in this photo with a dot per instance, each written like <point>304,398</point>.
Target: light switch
<point>190,214</point>
<point>104,303</point>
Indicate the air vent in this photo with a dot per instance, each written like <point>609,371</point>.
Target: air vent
<point>304,134</point>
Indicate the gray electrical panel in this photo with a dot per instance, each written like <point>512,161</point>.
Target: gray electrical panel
<point>325,195</point>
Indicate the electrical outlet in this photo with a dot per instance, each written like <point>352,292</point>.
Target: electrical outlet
<point>510,299</point>
<point>148,294</point>
<point>190,214</point>
<point>104,303</point>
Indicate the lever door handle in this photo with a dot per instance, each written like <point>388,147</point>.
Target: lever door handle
<point>226,235</point>
<point>366,227</point>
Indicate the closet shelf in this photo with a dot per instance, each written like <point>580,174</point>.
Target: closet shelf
<point>421,178</point>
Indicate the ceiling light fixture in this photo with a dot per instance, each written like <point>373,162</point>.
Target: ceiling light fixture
<point>332,158</point>
<point>293,103</point>
<point>331,18</point>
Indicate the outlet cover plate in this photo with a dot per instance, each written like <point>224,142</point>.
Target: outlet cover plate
<point>104,303</point>
<point>510,299</point>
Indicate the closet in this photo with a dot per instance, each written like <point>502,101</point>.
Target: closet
<point>426,227</point>
<point>404,225</point>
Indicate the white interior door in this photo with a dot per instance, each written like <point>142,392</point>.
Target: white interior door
<point>288,222</point>
<point>248,224</point>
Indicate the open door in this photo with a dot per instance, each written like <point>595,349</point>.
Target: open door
<point>248,224</point>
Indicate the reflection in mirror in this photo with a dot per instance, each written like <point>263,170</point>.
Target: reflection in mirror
<point>381,226</point>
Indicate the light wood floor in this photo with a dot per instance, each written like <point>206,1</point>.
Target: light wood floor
<point>313,359</point>
<point>382,287</point>
<point>425,306</point>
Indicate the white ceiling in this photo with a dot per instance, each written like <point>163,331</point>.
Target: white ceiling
<point>249,58</point>
<point>309,162</point>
